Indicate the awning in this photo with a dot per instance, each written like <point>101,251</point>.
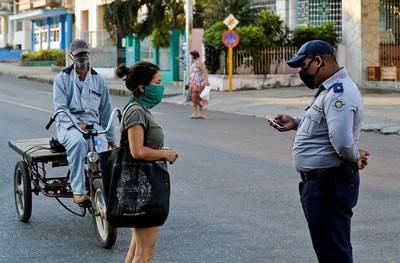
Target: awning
<point>38,14</point>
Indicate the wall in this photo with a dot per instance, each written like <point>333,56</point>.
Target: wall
<point>104,57</point>
<point>221,82</point>
<point>4,31</point>
<point>23,37</point>
<point>197,41</point>
<point>360,30</point>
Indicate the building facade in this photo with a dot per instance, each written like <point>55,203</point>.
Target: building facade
<point>368,30</point>
<point>6,9</point>
<point>40,24</point>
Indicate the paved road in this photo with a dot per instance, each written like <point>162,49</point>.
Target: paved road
<point>234,193</point>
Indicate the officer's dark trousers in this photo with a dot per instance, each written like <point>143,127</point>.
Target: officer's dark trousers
<point>329,218</point>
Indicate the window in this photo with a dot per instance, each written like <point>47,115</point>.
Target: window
<point>55,32</point>
<point>36,38</point>
<point>19,26</point>
<point>55,35</point>
<point>44,36</point>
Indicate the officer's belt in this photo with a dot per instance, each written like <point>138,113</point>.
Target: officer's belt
<point>315,174</point>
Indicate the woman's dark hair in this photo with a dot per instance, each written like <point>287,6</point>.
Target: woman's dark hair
<point>141,73</point>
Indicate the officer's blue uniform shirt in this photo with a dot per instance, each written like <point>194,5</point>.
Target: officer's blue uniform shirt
<point>88,101</point>
<point>329,131</point>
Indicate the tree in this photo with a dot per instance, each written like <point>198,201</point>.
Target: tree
<point>324,32</point>
<point>218,10</point>
<point>198,14</point>
<point>144,17</point>
<point>275,30</point>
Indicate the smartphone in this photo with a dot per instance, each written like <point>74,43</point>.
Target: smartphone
<point>274,122</point>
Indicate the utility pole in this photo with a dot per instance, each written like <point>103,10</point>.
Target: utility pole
<point>189,28</point>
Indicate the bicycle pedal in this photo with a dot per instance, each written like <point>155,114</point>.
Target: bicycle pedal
<point>85,204</point>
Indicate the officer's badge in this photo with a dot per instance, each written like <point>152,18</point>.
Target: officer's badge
<point>339,104</point>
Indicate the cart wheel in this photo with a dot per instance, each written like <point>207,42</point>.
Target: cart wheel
<point>22,191</point>
<point>106,234</point>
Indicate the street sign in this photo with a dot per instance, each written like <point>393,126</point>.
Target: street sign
<point>231,22</point>
<point>230,38</point>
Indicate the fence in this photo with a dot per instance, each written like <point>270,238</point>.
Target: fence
<point>97,39</point>
<point>265,61</point>
<point>389,55</point>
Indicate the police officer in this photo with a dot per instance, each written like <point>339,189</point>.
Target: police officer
<point>325,150</point>
<point>81,91</point>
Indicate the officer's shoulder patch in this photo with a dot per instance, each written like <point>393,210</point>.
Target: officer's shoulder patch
<point>338,104</point>
<point>337,87</point>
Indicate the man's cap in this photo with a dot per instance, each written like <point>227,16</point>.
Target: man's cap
<point>312,47</point>
<point>78,46</point>
<point>195,53</point>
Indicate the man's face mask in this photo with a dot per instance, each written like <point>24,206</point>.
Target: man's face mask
<point>307,78</point>
<point>82,62</point>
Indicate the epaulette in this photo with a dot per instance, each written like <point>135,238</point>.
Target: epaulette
<point>337,87</point>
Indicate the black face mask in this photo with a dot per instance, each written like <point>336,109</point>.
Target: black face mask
<point>307,78</point>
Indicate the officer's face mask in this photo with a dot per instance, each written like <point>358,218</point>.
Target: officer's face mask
<point>308,79</point>
<point>152,95</point>
<point>82,62</point>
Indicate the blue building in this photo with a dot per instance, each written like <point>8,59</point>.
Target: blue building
<point>46,26</point>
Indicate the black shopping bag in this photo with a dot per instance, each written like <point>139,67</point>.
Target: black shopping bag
<point>136,192</point>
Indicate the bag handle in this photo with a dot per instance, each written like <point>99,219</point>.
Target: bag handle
<point>121,143</point>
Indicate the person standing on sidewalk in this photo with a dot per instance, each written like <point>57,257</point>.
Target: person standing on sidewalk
<point>198,79</point>
<point>325,152</point>
<point>82,92</point>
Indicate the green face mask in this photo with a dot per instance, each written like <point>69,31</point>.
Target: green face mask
<point>152,96</point>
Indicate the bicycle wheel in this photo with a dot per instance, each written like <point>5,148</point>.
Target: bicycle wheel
<point>22,191</point>
<point>106,234</point>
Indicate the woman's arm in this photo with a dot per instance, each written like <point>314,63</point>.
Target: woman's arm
<point>202,67</point>
<point>139,151</point>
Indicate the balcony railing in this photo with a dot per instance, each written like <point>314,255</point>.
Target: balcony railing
<point>46,3</point>
<point>25,5</point>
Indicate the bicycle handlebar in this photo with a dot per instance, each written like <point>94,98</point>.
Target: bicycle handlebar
<point>53,118</point>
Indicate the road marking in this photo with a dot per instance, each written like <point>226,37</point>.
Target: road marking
<point>26,106</point>
<point>32,107</point>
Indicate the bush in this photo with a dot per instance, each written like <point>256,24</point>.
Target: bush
<point>325,32</point>
<point>213,36</point>
<point>45,55</point>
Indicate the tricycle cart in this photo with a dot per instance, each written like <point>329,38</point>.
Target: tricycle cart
<point>30,176</point>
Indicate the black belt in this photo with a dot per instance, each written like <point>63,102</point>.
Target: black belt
<point>309,176</point>
<point>346,170</point>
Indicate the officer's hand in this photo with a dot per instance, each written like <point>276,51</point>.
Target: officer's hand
<point>112,145</point>
<point>363,162</point>
<point>287,122</point>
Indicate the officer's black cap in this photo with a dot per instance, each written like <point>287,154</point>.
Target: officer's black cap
<point>312,47</point>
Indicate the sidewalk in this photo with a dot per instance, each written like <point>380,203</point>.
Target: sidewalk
<point>381,106</point>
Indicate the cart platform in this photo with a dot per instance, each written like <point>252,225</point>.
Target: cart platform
<point>38,150</point>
